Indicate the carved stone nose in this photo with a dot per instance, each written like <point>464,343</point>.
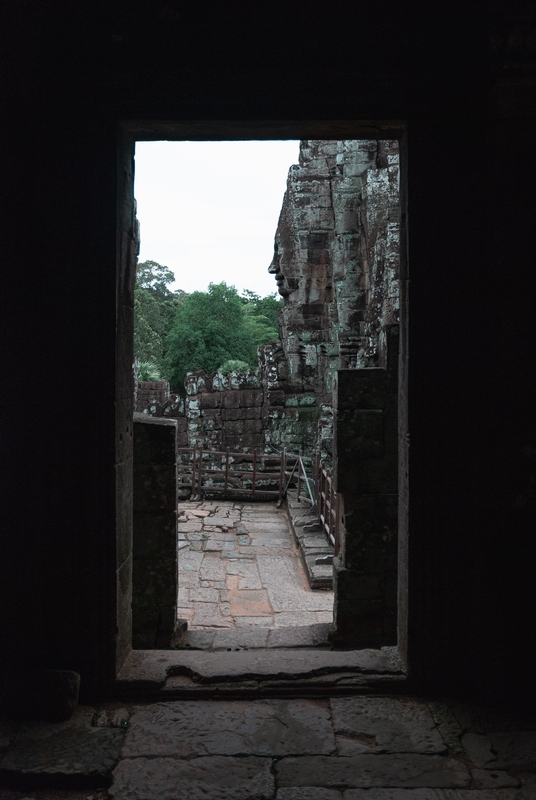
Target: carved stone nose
<point>274,266</point>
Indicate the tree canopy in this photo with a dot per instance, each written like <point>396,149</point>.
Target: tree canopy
<point>179,333</point>
<point>213,327</point>
<point>154,309</point>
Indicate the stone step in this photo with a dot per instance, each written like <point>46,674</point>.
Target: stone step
<point>258,638</point>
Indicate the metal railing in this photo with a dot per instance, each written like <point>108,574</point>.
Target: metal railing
<point>259,474</point>
<point>202,470</point>
<point>329,503</point>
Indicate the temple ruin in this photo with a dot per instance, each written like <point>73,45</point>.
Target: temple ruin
<point>336,264</point>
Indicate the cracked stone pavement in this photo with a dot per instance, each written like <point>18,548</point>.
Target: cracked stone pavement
<point>343,748</point>
<point>241,582</point>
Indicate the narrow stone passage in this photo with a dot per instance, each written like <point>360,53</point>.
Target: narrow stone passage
<point>241,581</point>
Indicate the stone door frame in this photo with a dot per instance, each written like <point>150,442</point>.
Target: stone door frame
<point>129,133</point>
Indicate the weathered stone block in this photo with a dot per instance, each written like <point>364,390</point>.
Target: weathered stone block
<point>361,620</point>
<point>368,476</point>
<point>155,525</point>
<point>231,399</point>
<point>224,778</point>
<point>233,427</point>
<point>360,434</point>
<point>399,770</point>
<point>155,487</point>
<point>154,534</point>
<point>251,398</point>
<point>155,582</point>
<point>276,397</point>
<point>210,400</point>
<point>71,753</point>
<point>153,441</point>
<point>253,413</point>
<point>123,509</point>
<point>154,627</point>
<point>367,514</point>
<point>252,426</point>
<point>231,414</point>
<point>363,388</point>
<point>262,728</point>
<point>384,725</point>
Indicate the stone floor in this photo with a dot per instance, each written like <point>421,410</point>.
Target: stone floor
<point>241,581</point>
<point>343,748</point>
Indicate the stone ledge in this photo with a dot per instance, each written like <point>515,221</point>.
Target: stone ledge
<point>312,544</point>
<point>149,672</point>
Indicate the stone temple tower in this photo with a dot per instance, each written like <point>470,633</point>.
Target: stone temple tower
<point>336,263</point>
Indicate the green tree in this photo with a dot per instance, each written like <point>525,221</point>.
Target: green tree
<point>154,277</point>
<point>154,310</point>
<point>148,371</point>
<point>260,328</point>
<point>209,329</point>
<point>233,365</point>
<point>268,307</point>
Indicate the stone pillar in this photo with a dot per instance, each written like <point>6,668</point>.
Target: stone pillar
<point>366,473</point>
<point>154,600</point>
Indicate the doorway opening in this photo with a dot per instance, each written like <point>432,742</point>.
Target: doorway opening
<point>331,382</point>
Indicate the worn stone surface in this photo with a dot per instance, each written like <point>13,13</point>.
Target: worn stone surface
<point>307,793</point>
<point>67,752</point>
<point>211,778</point>
<point>216,747</point>
<point>154,565</point>
<point>262,727</point>
<point>478,748</point>
<point>211,666</point>
<point>429,794</point>
<point>492,779</point>
<point>384,725</point>
<point>402,771</point>
<point>306,528</point>
<point>239,568</point>
<point>516,748</point>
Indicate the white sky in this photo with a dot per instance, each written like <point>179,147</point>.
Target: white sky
<point>209,210</point>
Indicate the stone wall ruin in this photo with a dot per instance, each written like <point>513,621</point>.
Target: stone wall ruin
<point>336,263</point>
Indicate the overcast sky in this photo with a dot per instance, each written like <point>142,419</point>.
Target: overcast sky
<point>209,210</point>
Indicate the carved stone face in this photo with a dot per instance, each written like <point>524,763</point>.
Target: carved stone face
<point>275,269</point>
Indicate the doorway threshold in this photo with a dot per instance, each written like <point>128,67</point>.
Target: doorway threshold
<point>159,675</point>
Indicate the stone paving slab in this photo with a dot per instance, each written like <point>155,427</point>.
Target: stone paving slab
<point>307,793</point>
<point>230,550</point>
<point>250,602</point>
<point>209,778</point>
<point>384,725</point>
<point>254,622</point>
<point>299,636</point>
<point>208,728</point>
<point>492,779</point>
<point>428,794</point>
<point>73,752</point>
<point>516,748</point>
<point>401,771</point>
